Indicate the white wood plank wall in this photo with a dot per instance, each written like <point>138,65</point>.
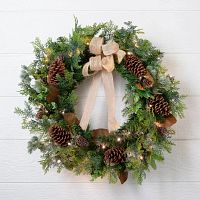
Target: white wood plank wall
<point>172,25</point>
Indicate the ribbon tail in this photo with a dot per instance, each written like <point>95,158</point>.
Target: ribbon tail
<point>90,101</point>
<point>108,83</point>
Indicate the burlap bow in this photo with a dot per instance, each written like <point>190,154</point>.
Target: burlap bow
<point>101,67</point>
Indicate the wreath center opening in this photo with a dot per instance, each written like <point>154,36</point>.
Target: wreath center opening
<point>99,114</point>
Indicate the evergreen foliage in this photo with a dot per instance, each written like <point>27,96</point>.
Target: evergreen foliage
<point>140,138</point>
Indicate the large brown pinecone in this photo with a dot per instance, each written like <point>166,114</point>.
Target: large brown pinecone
<point>114,156</point>
<point>159,106</point>
<point>135,65</point>
<point>56,68</point>
<point>82,142</point>
<point>59,135</point>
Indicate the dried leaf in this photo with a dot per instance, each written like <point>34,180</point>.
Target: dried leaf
<point>99,132</point>
<point>53,94</point>
<point>70,118</point>
<point>149,77</point>
<point>123,176</point>
<point>167,122</point>
<point>139,86</point>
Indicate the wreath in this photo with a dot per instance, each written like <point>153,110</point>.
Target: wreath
<point>152,102</point>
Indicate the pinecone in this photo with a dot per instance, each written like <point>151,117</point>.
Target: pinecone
<point>57,67</point>
<point>44,80</point>
<point>82,142</point>
<point>59,135</point>
<point>162,131</point>
<point>114,156</point>
<point>159,105</point>
<point>135,65</point>
<point>40,113</point>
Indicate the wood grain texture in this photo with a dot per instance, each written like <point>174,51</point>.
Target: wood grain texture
<point>162,28</point>
<point>16,165</point>
<point>79,5</point>
<point>99,191</point>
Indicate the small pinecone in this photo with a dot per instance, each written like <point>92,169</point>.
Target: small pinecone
<point>135,65</point>
<point>57,67</point>
<point>159,105</point>
<point>59,135</point>
<point>161,130</point>
<point>114,156</point>
<point>82,142</point>
<point>146,82</point>
<point>44,80</point>
<point>40,113</point>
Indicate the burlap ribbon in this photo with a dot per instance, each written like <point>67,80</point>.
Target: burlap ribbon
<point>101,67</point>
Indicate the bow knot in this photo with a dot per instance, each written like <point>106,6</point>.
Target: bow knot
<point>100,67</point>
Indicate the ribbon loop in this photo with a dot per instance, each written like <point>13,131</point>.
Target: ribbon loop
<point>95,63</point>
<point>96,45</point>
<point>110,48</point>
<point>101,66</point>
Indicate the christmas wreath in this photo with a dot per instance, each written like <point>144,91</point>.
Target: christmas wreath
<point>151,97</point>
